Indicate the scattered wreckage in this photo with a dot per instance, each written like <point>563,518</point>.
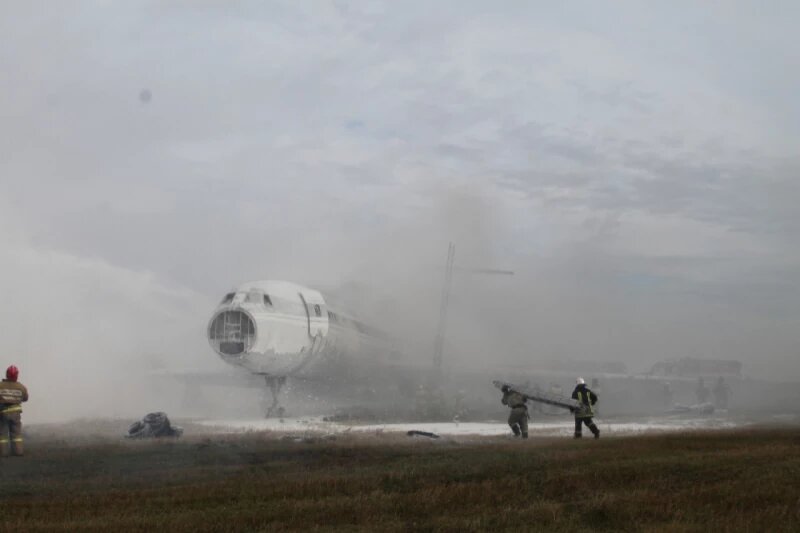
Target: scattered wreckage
<point>153,425</point>
<point>418,433</point>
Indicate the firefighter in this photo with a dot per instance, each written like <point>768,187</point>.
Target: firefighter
<point>12,394</point>
<point>587,399</point>
<point>518,418</point>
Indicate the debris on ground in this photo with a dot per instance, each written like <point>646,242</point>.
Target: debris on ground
<point>416,433</point>
<point>153,425</point>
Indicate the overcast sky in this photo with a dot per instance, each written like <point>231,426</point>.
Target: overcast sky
<point>636,163</point>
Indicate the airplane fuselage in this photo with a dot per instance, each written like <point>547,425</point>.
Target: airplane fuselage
<point>279,328</point>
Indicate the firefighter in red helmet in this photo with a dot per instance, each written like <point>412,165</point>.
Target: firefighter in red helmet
<point>12,394</point>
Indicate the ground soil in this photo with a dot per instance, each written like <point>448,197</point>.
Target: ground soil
<point>85,477</point>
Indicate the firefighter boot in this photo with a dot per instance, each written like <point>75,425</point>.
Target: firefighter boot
<point>515,429</point>
<point>524,434</point>
<point>5,451</point>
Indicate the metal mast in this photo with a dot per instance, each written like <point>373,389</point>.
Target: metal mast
<point>448,277</point>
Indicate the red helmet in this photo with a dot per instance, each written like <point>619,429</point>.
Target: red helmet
<point>12,373</point>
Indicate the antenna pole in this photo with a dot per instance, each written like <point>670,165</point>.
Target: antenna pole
<point>448,278</point>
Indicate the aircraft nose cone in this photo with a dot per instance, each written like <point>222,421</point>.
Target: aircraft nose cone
<point>232,332</point>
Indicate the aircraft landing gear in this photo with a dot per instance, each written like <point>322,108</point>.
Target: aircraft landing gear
<point>274,383</point>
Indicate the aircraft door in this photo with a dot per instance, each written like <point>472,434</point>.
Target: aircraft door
<point>317,313</point>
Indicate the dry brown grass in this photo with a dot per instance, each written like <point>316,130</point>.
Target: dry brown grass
<point>722,481</point>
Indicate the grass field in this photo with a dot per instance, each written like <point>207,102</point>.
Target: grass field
<point>745,480</point>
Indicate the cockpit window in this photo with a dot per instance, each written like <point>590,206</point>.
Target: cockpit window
<point>257,297</point>
<point>228,298</point>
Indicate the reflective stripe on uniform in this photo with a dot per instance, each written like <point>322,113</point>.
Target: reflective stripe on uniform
<point>18,439</point>
<point>12,409</point>
<point>586,407</point>
<point>3,441</point>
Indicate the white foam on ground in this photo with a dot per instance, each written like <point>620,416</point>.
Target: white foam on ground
<point>317,425</point>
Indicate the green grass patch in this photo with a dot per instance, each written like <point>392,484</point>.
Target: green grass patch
<point>733,480</point>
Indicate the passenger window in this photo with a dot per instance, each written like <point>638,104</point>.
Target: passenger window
<point>317,310</point>
<point>228,298</point>
<point>267,301</point>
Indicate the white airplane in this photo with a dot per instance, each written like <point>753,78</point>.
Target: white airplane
<point>279,329</point>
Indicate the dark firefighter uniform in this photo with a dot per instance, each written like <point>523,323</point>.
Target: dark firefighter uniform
<point>12,394</point>
<point>587,399</point>
<point>518,419</point>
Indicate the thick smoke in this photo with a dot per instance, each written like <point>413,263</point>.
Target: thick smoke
<point>87,335</point>
<point>154,157</point>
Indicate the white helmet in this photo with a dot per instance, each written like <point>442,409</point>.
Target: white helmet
<point>580,381</point>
